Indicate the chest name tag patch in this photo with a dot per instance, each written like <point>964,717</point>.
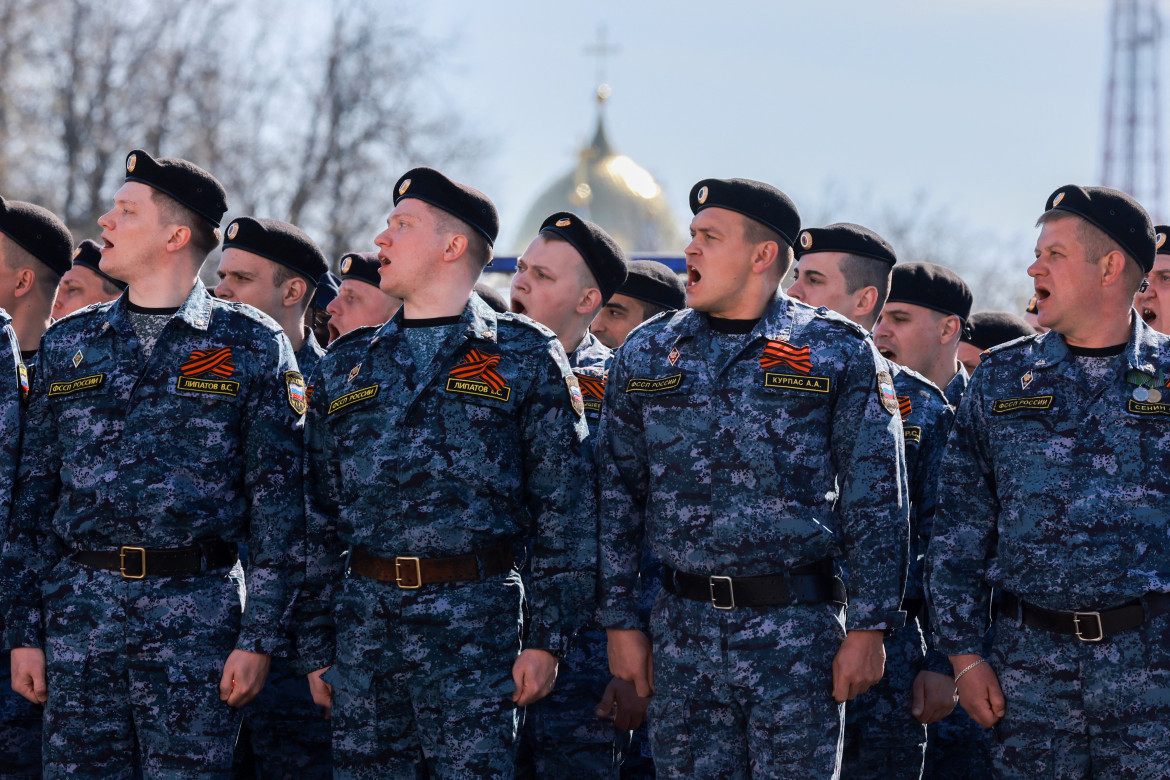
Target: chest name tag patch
<point>1148,409</point>
<point>807,384</point>
<point>1036,403</point>
<point>653,385</point>
<point>213,386</point>
<point>912,434</point>
<point>349,399</point>
<point>298,397</point>
<point>477,376</point>
<point>92,382</point>
<point>592,392</point>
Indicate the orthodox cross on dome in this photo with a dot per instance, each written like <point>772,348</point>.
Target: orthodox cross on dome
<point>601,50</point>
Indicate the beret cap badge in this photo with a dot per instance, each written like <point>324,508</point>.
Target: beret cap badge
<point>1056,201</point>
<point>564,222</point>
<point>76,252</point>
<point>805,240</point>
<point>232,230</point>
<point>402,188</point>
<point>346,262</point>
<point>702,196</point>
<point>131,161</point>
<point>1160,240</point>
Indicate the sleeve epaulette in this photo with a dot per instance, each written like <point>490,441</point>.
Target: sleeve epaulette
<point>524,322</point>
<point>357,334</point>
<point>925,383</point>
<point>82,313</point>
<point>1022,341</point>
<point>833,317</point>
<point>248,312</point>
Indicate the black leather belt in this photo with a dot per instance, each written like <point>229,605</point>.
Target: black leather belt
<point>411,573</point>
<point>134,563</point>
<point>811,584</point>
<point>1086,626</point>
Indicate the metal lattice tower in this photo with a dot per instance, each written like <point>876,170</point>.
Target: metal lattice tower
<point>1132,158</point>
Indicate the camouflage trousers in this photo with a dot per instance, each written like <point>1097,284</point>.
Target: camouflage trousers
<point>20,730</point>
<point>562,737</point>
<point>1082,709</point>
<point>422,679</point>
<point>883,740</point>
<point>284,734</point>
<point>745,692</point>
<point>957,748</point>
<point>138,660</point>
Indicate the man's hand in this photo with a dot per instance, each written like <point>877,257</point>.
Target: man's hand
<point>322,691</point>
<point>860,663</point>
<point>244,674</point>
<point>979,691</point>
<point>935,696</point>
<point>28,674</point>
<point>630,659</point>
<point>622,703</point>
<point>534,673</point>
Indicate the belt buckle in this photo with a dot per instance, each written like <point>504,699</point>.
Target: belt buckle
<point>1078,616</point>
<point>122,562</point>
<point>730,592</point>
<point>398,562</point>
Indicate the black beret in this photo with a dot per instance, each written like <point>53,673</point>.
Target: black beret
<point>89,254</point>
<point>491,297</point>
<point>459,200</point>
<point>39,232</point>
<point>186,182</point>
<point>605,258</point>
<point>845,237</point>
<point>654,282</point>
<point>761,202</point>
<point>987,329</point>
<point>932,286</point>
<point>1161,245</point>
<point>328,285</point>
<point>279,242</point>
<point>361,267</point>
<point>1121,217</point>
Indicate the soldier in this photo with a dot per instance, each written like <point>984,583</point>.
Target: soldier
<point>317,318</point>
<point>1153,299</point>
<point>491,297</point>
<point>30,238</point>
<point>650,289</point>
<point>163,429</point>
<point>751,440</point>
<point>847,268</point>
<point>30,273</point>
<point>274,266</point>
<point>435,443</point>
<point>85,283</point>
<point>922,322</point>
<point>1054,491</point>
<point>987,329</point>
<point>568,272</point>
<point>359,302</point>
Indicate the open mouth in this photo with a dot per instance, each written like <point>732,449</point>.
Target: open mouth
<point>107,244</point>
<point>1149,315</point>
<point>888,353</point>
<point>1041,294</point>
<point>693,276</point>
<point>383,260</point>
<point>518,307</point>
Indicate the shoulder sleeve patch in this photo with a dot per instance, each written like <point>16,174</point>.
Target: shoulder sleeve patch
<point>575,394</point>
<point>297,396</point>
<point>887,393</point>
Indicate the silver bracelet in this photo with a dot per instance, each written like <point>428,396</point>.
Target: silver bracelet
<point>968,668</point>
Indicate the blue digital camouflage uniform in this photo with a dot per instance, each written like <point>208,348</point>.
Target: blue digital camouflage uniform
<point>484,446</point>
<point>883,740</point>
<point>742,464</point>
<point>201,443</point>
<point>566,738</point>
<point>20,720</point>
<point>956,387</point>
<point>284,733</point>
<point>1055,489</point>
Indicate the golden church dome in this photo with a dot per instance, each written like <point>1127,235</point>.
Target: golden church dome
<point>613,191</point>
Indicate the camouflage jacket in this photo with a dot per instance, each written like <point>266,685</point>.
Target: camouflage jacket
<point>202,443</point>
<point>484,446</point>
<point>14,386</point>
<point>309,355</point>
<point>1053,488</point>
<point>785,452</point>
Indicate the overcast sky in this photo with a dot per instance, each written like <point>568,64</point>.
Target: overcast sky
<point>984,105</point>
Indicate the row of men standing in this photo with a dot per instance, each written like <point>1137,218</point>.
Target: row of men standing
<point>756,446</point>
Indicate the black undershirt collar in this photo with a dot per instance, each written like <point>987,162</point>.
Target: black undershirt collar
<point>1096,351</point>
<point>144,310</point>
<point>731,327</point>
<point>430,322</point>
